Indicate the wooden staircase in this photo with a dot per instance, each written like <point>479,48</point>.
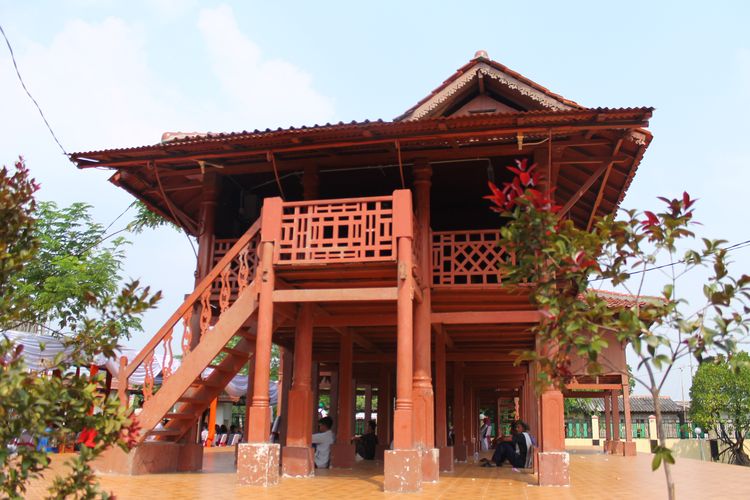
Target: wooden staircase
<point>227,341</point>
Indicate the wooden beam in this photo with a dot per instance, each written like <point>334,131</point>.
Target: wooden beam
<point>600,194</point>
<point>330,320</point>
<point>480,357</point>
<point>586,185</point>
<point>486,317</point>
<point>615,158</point>
<point>438,327</point>
<point>575,386</point>
<point>335,295</point>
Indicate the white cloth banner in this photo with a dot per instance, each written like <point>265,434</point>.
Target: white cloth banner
<point>39,352</point>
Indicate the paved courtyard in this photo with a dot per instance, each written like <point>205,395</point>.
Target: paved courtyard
<point>594,476</point>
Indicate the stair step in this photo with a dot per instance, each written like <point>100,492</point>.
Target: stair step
<point>164,432</point>
<point>180,416</point>
<point>235,352</point>
<point>190,399</point>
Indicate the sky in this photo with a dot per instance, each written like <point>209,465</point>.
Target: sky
<point>117,74</point>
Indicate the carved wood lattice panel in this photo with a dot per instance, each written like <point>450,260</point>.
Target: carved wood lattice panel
<point>467,258</point>
<point>356,230</point>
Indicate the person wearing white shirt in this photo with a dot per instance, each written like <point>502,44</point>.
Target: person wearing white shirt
<point>322,441</point>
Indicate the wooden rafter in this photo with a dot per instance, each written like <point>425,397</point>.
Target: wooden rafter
<point>600,194</point>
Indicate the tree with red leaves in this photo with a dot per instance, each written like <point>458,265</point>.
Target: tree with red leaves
<point>59,403</point>
<point>557,260</point>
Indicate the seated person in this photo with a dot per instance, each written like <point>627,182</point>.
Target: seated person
<point>514,451</point>
<point>322,441</point>
<point>366,443</point>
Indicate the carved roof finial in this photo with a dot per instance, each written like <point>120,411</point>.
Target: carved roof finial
<point>481,54</point>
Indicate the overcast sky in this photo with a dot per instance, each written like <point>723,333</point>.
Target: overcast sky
<point>112,74</point>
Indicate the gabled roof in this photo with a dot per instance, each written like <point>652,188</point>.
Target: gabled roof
<point>485,80</point>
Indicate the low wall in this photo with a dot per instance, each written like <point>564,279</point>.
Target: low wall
<point>681,448</point>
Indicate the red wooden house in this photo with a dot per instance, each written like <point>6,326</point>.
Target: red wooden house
<point>365,250</point>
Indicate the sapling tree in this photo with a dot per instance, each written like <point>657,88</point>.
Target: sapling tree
<point>557,261</point>
<point>720,401</point>
<point>59,403</point>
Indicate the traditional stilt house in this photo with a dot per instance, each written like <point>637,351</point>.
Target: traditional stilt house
<point>365,251</point>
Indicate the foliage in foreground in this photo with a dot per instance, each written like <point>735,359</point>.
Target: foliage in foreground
<point>57,404</point>
<point>556,260</point>
<point>720,401</point>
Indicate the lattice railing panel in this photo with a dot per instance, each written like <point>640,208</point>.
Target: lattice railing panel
<point>467,257</point>
<point>327,231</point>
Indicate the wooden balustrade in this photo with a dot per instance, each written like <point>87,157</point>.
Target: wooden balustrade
<point>336,231</point>
<point>233,272</point>
<point>467,258</point>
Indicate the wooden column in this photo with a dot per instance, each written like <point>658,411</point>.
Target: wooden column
<point>315,377</point>
<point>286,371</point>
<point>342,452</point>
<point>260,414</point>
<point>607,422</point>
<point>297,455</point>
<point>206,238</point>
<point>384,411</point>
<point>459,444</point>
<point>402,465</point>
<point>333,399</point>
<point>616,443</point>
<point>403,433</point>
<point>310,183</point>
<point>368,405</point>
<point>424,429</point>
<point>211,423</point>
<point>249,396</point>
<point>553,459</point>
<point>441,403</point>
<point>628,446</point>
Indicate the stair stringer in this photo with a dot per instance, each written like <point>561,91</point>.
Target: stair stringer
<point>193,364</point>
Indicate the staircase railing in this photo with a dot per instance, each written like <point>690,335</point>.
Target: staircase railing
<point>231,275</point>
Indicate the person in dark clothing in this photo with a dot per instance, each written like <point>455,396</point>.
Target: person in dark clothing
<point>514,451</point>
<point>366,443</point>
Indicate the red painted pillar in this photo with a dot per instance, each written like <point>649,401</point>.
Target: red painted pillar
<point>249,396</point>
<point>297,455</point>
<point>402,467</point>
<point>607,422</point>
<point>424,399</point>
<point>553,459</point>
<point>441,403</point>
<point>211,423</point>
<point>384,411</point>
<point>616,443</point>
<point>459,444</point>
<point>368,405</point>
<point>315,396</point>
<point>258,460</point>
<point>628,446</point>
<point>342,452</point>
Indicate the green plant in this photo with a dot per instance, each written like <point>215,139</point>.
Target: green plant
<point>556,260</point>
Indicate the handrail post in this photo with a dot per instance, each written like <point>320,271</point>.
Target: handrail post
<point>260,416</point>
<point>122,386</point>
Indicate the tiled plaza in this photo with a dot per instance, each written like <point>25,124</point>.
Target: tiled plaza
<point>594,476</point>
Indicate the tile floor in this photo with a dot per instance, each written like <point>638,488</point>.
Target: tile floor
<point>594,476</point>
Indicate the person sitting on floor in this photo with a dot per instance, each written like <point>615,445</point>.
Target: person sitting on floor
<point>366,443</point>
<point>322,441</point>
<point>514,451</point>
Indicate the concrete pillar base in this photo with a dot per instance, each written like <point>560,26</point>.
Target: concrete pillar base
<point>628,449</point>
<point>342,455</point>
<point>402,471</point>
<point>607,446</point>
<point>297,461</point>
<point>430,465</point>
<point>616,448</point>
<point>446,459</point>
<point>258,464</point>
<point>460,452</point>
<point>554,468</point>
<point>190,457</point>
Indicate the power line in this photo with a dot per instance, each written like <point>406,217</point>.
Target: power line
<point>736,246</point>
<point>20,79</point>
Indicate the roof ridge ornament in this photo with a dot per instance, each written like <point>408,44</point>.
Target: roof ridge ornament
<point>481,54</point>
